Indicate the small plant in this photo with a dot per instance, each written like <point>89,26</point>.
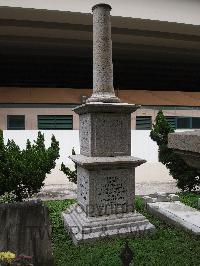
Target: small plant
<point>23,172</point>
<point>71,174</point>
<point>10,259</point>
<point>6,258</point>
<point>187,177</point>
<point>8,197</point>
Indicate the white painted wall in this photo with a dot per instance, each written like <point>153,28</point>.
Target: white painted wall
<point>182,11</point>
<point>142,145</point>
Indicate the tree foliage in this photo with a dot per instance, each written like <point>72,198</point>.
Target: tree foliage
<point>187,177</point>
<point>23,171</point>
<point>71,174</point>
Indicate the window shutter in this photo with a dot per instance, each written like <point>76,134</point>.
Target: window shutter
<point>143,122</point>
<point>59,122</point>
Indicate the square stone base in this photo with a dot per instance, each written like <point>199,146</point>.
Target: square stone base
<point>84,228</point>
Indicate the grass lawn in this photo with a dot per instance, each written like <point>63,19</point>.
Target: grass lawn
<point>169,246</point>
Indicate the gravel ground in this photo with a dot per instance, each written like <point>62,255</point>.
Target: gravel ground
<point>149,178</point>
<point>62,192</point>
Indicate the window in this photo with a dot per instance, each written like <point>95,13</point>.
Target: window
<point>143,122</point>
<point>15,122</point>
<point>171,120</point>
<point>195,122</point>
<point>55,122</point>
<point>184,122</point>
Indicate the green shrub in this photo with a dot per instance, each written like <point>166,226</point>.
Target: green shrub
<point>187,177</point>
<point>23,171</point>
<point>8,197</point>
<point>71,174</point>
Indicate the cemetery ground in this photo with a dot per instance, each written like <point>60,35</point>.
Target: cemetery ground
<point>169,246</point>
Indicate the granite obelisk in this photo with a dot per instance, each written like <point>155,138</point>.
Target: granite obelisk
<point>105,168</point>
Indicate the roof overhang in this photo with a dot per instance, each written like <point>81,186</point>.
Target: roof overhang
<point>70,33</point>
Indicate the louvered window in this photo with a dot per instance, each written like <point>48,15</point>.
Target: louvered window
<point>55,122</point>
<point>143,122</point>
<point>172,121</point>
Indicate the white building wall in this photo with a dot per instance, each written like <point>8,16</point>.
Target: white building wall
<point>141,143</point>
<point>142,147</point>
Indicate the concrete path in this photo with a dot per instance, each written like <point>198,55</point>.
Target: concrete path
<point>150,178</point>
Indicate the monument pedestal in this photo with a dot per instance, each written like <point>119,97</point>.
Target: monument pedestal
<point>105,175</point>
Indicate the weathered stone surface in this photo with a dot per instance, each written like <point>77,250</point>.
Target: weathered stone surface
<point>106,162</point>
<point>25,229</point>
<point>185,141</point>
<point>103,90</point>
<point>84,228</point>
<point>177,214</point>
<point>106,191</point>
<point>173,197</point>
<point>187,145</point>
<point>105,129</point>
<point>105,171</point>
<point>99,107</point>
<point>149,199</point>
<point>102,128</point>
<point>160,197</point>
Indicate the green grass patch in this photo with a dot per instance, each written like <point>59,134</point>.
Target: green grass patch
<point>190,199</point>
<point>169,246</point>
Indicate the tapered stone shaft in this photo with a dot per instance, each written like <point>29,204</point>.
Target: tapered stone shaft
<point>103,90</point>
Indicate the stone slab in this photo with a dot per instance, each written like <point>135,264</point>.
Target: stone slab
<point>105,162</point>
<point>187,145</point>
<point>25,229</point>
<point>160,197</point>
<point>185,141</point>
<point>99,107</point>
<point>177,214</point>
<point>83,228</point>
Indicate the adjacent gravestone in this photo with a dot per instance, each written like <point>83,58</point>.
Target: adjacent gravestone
<point>170,209</point>
<point>25,229</point>
<point>105,167</point>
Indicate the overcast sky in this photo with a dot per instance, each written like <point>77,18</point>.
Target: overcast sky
<point>184,11</point>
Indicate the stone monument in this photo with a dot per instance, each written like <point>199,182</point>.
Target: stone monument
<point>105,167</point>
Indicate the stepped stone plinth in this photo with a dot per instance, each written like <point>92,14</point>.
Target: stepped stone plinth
<point>105,168</point>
